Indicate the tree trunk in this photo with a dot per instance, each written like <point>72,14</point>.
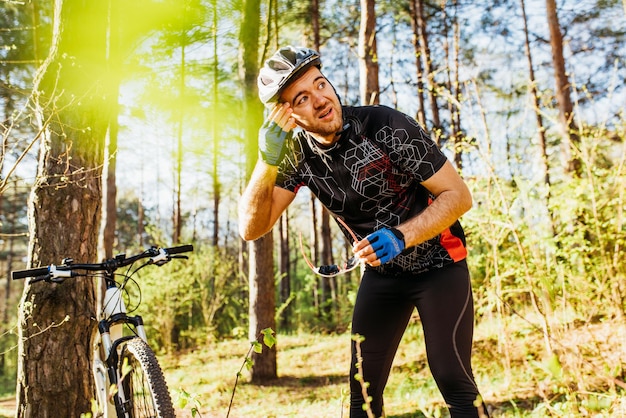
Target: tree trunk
<point>455,90</point>
<point>285,273</point>
<point>56,320</point>
<point>421,108</point>
<point>541,131</point>
<point>216,131</point>
<point>563,98</point>
<point>368,56</point>
<point>262,306</point>
<point>315,23</point>
<point>428,68</point>
<point>329,294</point>
<point>109,213</point>
<point>261,261</point>
<point>110,190</point>
<point>10,223</point>
<point>177,215</point>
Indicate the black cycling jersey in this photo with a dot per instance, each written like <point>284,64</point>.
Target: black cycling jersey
<point>371,179</point>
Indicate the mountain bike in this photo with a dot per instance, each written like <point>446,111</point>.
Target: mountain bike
<point>128,379</point>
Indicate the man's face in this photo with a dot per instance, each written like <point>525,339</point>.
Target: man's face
<point>316,107</point>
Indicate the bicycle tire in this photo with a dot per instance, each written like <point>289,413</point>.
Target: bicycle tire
<point>143,382</point>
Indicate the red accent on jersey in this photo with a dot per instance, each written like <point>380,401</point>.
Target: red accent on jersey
<point>453,245</point>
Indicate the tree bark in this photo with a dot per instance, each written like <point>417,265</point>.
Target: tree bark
<point>329,294</point>
<point>217,189</point>
<point>456,132</point>
<point>541,131</point>
<point>56,320</point>
<point>109,213</point>
<point>421,109</point>
<point>563,97</point>
<point>261,261</point>
<point>285,272</point>
<point>177,216</point>
<point>428,68</point>
<point>368,56</point>
<point>315,251</point>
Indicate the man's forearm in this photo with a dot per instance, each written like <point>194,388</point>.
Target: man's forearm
<point>446,209</point>
<point>255,205</point>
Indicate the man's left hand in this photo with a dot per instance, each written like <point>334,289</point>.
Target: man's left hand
<point>380,247</point>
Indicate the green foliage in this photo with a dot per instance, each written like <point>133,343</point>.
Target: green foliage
<point>194,301</point>
<point>128,219</point>
<point>554,245</point>
<point>185,399</point>
<point>530,390</point>
<point>269,340</point>
<point>552,256</point>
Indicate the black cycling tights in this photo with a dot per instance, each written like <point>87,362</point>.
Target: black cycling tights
<point>384,305</point>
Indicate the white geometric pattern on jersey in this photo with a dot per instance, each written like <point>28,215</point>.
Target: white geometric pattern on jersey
<point>312,180</point>
<point>411,154</point>
<point>375,176</point>
<point>376,180</point>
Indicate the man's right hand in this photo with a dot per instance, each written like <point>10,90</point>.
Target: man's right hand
<point>274,133</point>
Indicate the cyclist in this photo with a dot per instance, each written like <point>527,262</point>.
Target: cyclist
<point>379,171</point>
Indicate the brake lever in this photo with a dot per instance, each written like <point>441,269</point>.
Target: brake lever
<point>184,257</point>
<point>44,278</point>
<point>48,279</point>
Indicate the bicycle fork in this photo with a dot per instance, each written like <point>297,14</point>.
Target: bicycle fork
<point>106,367</point>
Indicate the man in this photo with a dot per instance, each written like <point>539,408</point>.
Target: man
<point>377,171</point>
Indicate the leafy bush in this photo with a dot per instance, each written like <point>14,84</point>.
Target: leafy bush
<point>194,300</point>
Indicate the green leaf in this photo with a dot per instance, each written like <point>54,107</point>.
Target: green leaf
<point>554,366</point>
<point>268,337</point>
<point>249,363</point>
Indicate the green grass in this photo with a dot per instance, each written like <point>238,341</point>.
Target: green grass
<point>516,377</point>
<point>312,373</point>
<point>7,396</point>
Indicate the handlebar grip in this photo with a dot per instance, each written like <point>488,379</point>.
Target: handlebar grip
<point>179,249</point>
<point>22,274</point>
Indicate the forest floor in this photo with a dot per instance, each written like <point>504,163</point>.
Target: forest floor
<point>584,377</point>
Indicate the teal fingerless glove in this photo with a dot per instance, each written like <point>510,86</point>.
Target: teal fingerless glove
<point>272,142</point>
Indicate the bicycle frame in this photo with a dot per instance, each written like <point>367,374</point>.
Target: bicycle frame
<point>106,353</point>
<point>129,381</point>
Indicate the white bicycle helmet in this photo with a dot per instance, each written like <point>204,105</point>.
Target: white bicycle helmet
<point>285,65</point>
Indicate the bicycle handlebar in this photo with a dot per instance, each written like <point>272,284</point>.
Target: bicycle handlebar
<point>158,256</point>
<point>180,249</point>
<point>22,274</point>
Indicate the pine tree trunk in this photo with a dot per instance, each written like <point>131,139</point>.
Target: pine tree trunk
<point>109,212</point>
<point>285,273</point>
<point>421,108</point>
<point>261,261</point>
<point>314,257</point>
<point>563,98</point>
<point>109,217</point>
<point>217,189</point>
<point>541,131</point>
<point>427,61</point>
<point>262,306</point>
<point>368,55</point>
<point>328,283</point>
<point>56,320</point>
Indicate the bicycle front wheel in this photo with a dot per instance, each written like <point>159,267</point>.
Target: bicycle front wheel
<point>143,384</point>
